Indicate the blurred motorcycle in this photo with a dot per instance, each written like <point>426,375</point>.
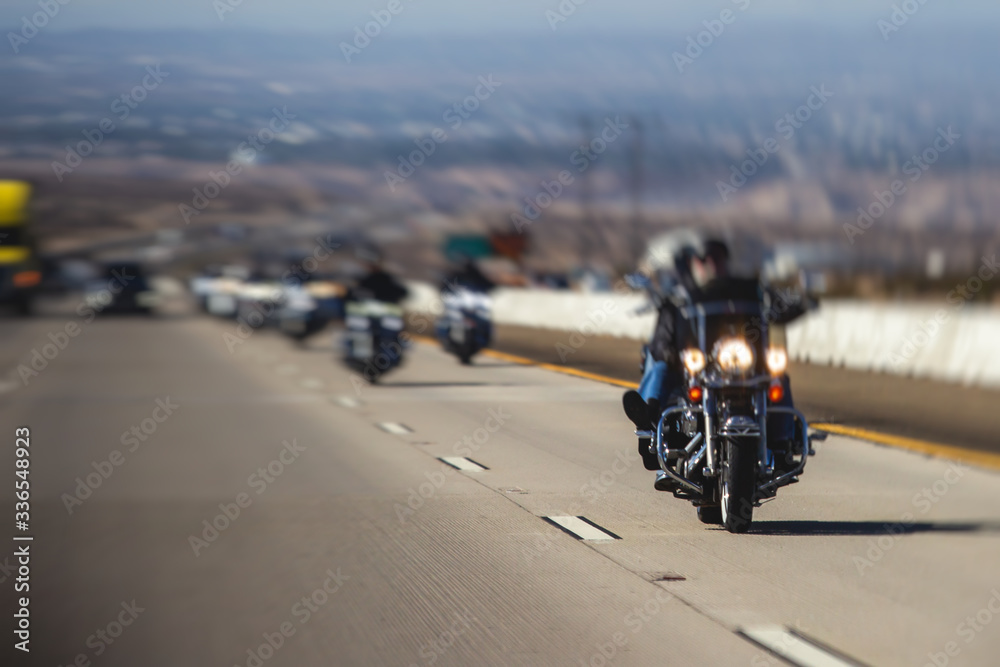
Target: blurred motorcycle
<point>298,317</point>
<point>465,328</point>
<point>307,309</point>
<point>372,345</point>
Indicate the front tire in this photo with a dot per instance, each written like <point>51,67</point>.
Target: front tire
<point>737,485</point>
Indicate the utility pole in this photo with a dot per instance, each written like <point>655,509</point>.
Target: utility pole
<point>635,244</point>
<point>588,235</point>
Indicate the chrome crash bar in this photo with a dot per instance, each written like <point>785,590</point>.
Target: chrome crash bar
<point>693,454</point>
<point>787,477</point>
<point>662,453</point>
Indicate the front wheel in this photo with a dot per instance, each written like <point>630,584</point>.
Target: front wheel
<point>737,484</point>
<point>466,350</point>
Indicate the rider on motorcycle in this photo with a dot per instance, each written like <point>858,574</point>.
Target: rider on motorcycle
<point>377,284</point>
<point>373,341</point>
<point>464,328</point>
<point>466,276</point>
<point>700,277</point>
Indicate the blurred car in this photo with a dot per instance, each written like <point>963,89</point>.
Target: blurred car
<point>217,288</point>
<point>258,300</point>
<point>329,292</point>
<point>123,287</point>
<point>307,308</point>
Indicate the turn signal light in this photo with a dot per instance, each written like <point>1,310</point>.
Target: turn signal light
<point>695,394</point>
<point>776,392</point>
<point>27,278</point>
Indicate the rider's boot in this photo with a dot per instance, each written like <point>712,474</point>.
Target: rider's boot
<point>637,410</point>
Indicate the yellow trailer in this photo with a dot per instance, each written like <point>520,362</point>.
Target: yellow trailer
<point>20,272</point>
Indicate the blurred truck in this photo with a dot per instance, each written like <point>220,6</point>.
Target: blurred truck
<point>20,269</point>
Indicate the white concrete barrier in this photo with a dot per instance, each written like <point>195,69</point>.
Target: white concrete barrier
<point>593,314</point>
<point>951,342</point>
<point>956,343</point>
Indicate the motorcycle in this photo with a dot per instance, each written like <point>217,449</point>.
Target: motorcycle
<point>307,310</point>
<point>465,328</point>
<point>372,344</point>
<point>300,324</point>
<point>731,440</point>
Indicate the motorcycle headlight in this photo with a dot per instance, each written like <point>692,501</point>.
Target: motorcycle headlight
<point>734,355</point>
<point>777,360</point>
<point>693,359</point>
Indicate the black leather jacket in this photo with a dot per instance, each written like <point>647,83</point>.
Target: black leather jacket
<point>380,286</point>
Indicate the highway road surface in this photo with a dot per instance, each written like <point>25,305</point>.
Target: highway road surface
<point>200,505</point>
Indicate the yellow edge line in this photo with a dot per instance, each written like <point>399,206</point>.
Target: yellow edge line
<point>560,369</point>
<point>524,361</point>
<point>971,456</point>
<point>983,459</point>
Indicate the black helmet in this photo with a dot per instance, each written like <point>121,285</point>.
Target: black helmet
<point>716,250</point>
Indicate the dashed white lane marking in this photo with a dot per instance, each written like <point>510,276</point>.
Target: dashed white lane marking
<point>794,648</point>
<point>463,463</point>
<point>286,369</point>
<point>394,428</point>
<point>313,383</point>
<point>581,528</point>
<point>347,401</point>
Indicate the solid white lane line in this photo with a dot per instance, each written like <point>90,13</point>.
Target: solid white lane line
<point>793,648</point>
<point>463,463</point>
<point>347,401</point>
<point>582,529</point>
<point>394,428</point>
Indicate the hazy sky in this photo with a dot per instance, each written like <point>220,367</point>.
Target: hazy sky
<point>475,16</point>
